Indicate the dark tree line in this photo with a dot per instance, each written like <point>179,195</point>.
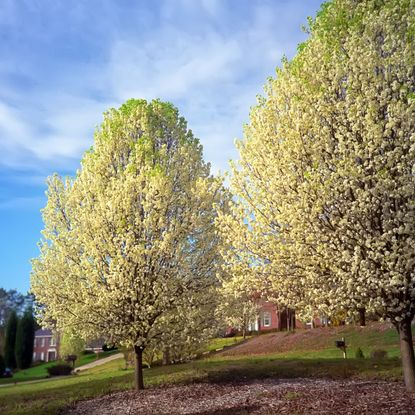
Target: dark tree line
<point>19,341</point>
<point>17,330</point>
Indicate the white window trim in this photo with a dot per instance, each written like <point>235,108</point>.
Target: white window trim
<point>51,351</point>
<point>266,317</point>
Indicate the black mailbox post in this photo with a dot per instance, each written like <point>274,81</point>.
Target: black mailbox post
<point>341,344</point>
<point>71,358</point>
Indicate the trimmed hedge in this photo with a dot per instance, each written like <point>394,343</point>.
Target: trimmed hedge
<point>60,370</point>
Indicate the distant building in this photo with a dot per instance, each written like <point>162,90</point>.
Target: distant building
<point>273,317</point>
<point>95,345</point>
<point>46,346</point>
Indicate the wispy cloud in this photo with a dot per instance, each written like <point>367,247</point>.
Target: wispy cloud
<point>207,57</point>
<point>63,63</point>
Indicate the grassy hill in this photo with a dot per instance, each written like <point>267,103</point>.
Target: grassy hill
<point>305,354</point>
<point>39,371</point>
<point>319,342</point>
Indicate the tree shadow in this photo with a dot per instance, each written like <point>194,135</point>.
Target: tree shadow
<point>239,410</point>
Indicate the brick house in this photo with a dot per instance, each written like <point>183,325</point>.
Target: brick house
<point>46,346</point>
<point>272,317</point>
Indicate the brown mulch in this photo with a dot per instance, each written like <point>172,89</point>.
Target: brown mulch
<point>300,396</point>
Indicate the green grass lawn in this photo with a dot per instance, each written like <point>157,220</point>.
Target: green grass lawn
<point>40,371</point>
<point>319,343</point>
<point>320,360</point>
<point>48,397</point>
<point>222,342</point>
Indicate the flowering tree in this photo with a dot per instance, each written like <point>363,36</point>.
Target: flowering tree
<point>326,183</point>
<point>238,306</point>
<point>129,242</point>
<point>71,346</point>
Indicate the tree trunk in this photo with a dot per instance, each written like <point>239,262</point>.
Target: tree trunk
<point>166,357</point>
<point>362,317</point>
<point>138,375</point>
<point>288,319</point>
<point>407,353</point>
<point>244,332</point>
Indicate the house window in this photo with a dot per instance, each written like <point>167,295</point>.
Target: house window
<point>267,319</point>
<point>42,356</point>
<point>34,356</point>
<point>42,342</point>
<point>52,341</point>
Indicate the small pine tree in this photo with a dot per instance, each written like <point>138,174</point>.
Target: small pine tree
<point>2,365</point>
<point>11,328</point>
<point>25,336</point>
<point>359,354</point>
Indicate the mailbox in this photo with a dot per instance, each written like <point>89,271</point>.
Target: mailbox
<point>71,358</point>
<point>341,344</point>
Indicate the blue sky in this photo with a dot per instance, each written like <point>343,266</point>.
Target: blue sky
<point>63,63</point>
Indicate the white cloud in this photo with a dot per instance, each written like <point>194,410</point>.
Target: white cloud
<point>176,68</point>
<point>198,56</point>
<point>209,76</point>
<point>57,134</point>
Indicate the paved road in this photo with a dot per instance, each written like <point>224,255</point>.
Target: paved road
<point>99,362</point>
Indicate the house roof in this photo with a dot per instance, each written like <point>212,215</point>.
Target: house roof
<point>95,344</point>
<point>43,332</point>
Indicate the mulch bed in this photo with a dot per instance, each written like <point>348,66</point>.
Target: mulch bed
<point>270,396</point>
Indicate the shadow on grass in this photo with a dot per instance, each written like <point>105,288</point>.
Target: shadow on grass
<point>35,400</point>
<point>241,410</point>
<point>387,369</point>
<point>50,398</point>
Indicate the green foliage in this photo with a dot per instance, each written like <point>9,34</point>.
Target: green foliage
<point>220,343</point>
<point>71,345</point>
<point>132,105</point>
<point>2,365</point>
<point>60,370</point>
<point>107,348</point>
<point>149,141</point>
<point>87,352</point>
<point>10,342</point>
<point>25,336</point>
<point>11,300</point>
<point>291,395</point>
<point>38,370</point>
<point>379,354</point>
<point>359,354</point>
